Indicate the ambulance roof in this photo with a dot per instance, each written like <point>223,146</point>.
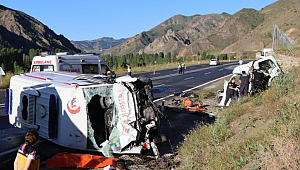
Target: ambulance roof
<point>71,57</point>
<point>63,78</point>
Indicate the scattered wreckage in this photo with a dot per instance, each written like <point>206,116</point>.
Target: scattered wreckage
<point>268,64</point>
<point>86,112</point>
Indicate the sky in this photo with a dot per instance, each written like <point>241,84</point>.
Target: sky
<point>92,19</point>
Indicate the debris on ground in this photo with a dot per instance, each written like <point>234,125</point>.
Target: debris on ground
<point>175,102</point>
<point>191,106</point>
<point>189,94</point>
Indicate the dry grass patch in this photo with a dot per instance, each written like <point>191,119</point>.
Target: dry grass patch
<point>252,133</point>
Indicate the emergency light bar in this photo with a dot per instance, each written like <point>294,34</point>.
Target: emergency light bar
<point>63,53</point>
<point>43,54</point>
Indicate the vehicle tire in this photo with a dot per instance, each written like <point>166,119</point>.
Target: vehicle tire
<point>219,99</point>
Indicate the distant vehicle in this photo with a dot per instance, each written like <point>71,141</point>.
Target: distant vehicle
<point>264,53</point>
<point>79,63</point>
<point>214,62</point>
<point>86,112</point>
<point>268,64</point>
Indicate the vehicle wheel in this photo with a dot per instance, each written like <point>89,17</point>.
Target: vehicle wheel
<point>220,99</point>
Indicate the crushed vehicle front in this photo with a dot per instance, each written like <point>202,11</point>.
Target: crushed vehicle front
<point>269,65</point>
<point>131,119</point>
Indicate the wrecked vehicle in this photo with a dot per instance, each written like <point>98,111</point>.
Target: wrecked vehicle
<point>268,65</point>
<point>86,112</point>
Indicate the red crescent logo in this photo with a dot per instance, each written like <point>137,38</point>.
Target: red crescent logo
<point>72,107</point>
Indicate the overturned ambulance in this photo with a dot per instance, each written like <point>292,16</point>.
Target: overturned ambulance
<point>87,112</point>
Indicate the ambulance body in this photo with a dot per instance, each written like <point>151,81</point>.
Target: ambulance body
<point>79,63</point>
<point>83,112</point>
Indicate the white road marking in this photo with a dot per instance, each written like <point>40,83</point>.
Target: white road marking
<point>159,85</point>
<point>207,73</point>
<point>163,98</point>
<point>221,69</point>
<point>190,71</point>
<point>189,78</point>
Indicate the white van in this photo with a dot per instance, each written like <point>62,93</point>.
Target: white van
<point>85,112</point>
<point>79,63</point>
<point>268,64</point>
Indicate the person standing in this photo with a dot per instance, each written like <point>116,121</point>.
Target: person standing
<point>244,83</point>
<point>129,69</point>
<point>182,67</point>
<point>230,90</point>
<point>251,82</point>
<point>179,68</point>
<point>258,80</point>
<point>27,157</point>
<point>241,61</point>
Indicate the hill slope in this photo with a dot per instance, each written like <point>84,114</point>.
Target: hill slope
<point>177,31</point>
<point>233,28</point>
<point>259,132</point>
<point>20,30</point>
<point>246,30</point>
<point>284,13</point>
<point>97,45</point>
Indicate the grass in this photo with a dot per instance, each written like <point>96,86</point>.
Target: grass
<point>6,80</point>
<point>260,132</point>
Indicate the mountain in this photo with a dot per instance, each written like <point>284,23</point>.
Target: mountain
<point>231,30</point>
<point>19,30</point>
<point>97,45</point>
<point>284,13</point>
<point>171,35</point>
<point>246,30</point>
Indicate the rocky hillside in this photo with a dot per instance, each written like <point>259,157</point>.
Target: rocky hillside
<point>246,30</point>
<point>284,13</point>
<point>171,35</point>
<point>20,30</point>
<point>234,28</point>
<point>98,45</point>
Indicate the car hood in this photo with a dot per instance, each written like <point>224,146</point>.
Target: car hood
<point>244,67</point>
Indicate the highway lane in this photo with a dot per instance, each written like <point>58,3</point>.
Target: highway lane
<point>165,82</point>
<point>169,81</point>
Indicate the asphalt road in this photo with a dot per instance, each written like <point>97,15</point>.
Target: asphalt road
<point>165,82</point>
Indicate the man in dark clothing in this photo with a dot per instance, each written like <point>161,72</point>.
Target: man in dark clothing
<point>230,90</point>
<point>244,83</point>
<point>258,80</point>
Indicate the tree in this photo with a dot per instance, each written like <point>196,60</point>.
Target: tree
<point>168,57</point>
<point>203,56</point>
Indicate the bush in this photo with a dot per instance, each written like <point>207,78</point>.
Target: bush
<point>222,57</point>
<point>6,80</point>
